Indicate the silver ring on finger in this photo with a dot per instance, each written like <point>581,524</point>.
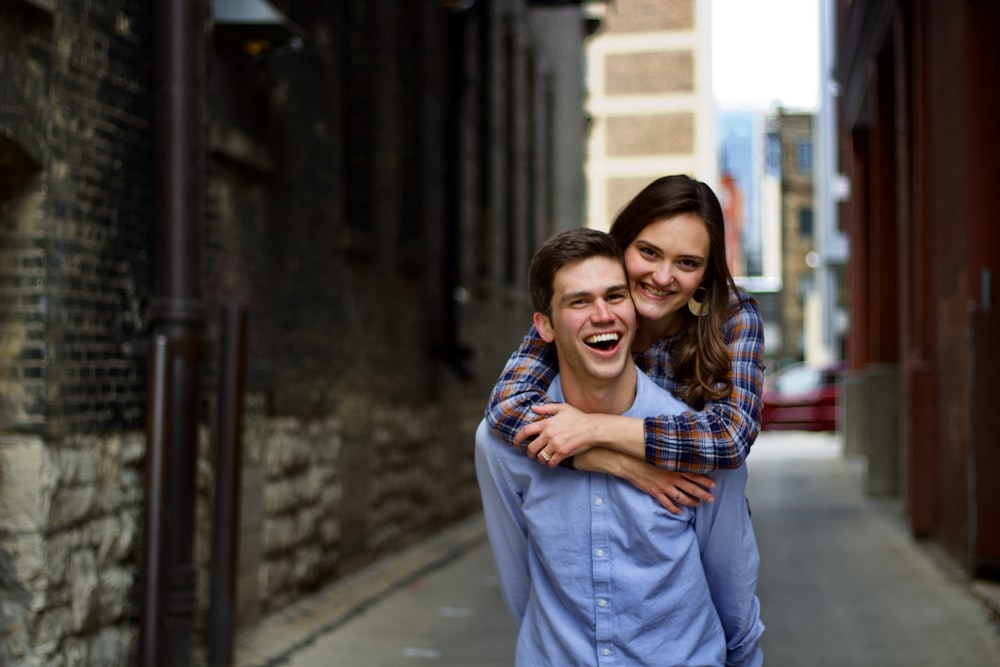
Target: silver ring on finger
<point>545,457</point>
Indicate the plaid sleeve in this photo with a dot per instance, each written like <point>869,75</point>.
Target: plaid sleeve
<point>522,384</point>
<point>720,435</point>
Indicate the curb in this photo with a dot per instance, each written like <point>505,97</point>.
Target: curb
<point>274,640</point>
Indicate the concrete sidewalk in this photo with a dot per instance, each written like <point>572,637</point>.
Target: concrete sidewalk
<point>842,584</point>
<point>436,603</point>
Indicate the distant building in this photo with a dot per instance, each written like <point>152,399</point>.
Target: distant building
<point>650,100</point>
<point>743,155</point>
<point>794,134</point>
<point>731,198</point>
<point>740,154</point>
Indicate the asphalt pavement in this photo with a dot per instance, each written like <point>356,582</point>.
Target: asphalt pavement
<point>842,584</point>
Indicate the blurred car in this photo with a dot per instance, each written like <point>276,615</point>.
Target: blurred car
<point>802,397</point>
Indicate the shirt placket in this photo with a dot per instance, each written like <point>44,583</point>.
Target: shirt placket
<point>601,568</point>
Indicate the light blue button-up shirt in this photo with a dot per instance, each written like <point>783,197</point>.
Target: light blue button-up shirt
<point>596,572</point>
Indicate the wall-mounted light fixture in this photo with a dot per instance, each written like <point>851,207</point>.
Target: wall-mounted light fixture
<point>257,24</point>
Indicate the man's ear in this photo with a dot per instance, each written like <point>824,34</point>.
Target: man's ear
<point>544,326</point>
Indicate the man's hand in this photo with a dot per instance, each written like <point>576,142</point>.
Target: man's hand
<point>670,489</point>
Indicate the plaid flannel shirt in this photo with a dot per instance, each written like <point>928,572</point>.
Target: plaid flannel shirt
<point>719,436</point>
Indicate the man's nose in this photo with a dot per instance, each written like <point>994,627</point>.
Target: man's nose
<point>602,311</point>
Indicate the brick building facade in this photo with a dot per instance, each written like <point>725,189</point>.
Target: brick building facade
<point>795,138</point>
<point>650,98</point>
<point>918,140</point>
<point>374,176</point>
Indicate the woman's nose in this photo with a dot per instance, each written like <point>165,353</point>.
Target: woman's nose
<point>663,274</point>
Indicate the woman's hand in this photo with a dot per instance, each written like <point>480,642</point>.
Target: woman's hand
<point>670,489</point>
<point>565,432</point>
<point>568,432</point>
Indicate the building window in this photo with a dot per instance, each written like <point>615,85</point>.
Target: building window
<point>804,155</point>
<point>805,222</point>
<point>772,154</point>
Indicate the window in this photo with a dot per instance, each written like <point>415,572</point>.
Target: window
<point>805,222</point>
<point>804,155</point>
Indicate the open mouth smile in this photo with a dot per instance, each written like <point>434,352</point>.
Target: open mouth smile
<point>604,341</point>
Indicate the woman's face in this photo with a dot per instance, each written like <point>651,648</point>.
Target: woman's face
<point>666,263</point>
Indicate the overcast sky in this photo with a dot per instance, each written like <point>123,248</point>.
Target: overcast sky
<point>766,52</point>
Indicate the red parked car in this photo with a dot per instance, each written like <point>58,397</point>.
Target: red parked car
<point>802,397</point>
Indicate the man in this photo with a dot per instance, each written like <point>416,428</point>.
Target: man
<point>594,571</point>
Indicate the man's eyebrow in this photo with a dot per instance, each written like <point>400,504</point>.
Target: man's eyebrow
<point>569,296</point>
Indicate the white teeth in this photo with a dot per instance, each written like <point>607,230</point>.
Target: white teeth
<point>656,292</point>
<point>602,338</point>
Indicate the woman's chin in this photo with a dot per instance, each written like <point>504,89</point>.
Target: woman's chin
<point>662,322</point>
<point>653,313</point>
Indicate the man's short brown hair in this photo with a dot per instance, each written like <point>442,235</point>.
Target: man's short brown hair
<point>564,248</point>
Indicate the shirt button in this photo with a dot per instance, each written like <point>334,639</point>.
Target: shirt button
<point>598,501</point>
<point>602,603</point>
<point>600,553</point>
<point>606,652</point>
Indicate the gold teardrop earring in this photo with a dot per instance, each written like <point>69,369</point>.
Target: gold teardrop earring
<point>699,308</point>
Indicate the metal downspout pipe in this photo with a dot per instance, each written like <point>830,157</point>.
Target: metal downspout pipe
<point>177,319</point>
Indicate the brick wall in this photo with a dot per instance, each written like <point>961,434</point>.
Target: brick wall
<point>372,200</point>
<point>650,15</point>
<point>75,261</point>
<point>653,73</point>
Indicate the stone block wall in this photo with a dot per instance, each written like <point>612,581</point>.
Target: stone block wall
<point>71,527</point>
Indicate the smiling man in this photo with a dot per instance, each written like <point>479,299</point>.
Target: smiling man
<point>594,571</point>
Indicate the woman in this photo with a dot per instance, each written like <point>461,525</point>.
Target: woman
<point>700,337</point>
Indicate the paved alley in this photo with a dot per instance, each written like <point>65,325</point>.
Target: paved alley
<point>842,584</point>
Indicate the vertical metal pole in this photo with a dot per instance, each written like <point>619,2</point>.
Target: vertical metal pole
<point>456,26</point>
<point>154,505</point>
<point>177,312</point>
<point>228,468</point>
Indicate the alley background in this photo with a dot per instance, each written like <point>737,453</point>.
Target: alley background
<point>842,585</point>
<point>261,262</point>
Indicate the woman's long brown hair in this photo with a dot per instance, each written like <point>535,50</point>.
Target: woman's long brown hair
<point>700,358</point>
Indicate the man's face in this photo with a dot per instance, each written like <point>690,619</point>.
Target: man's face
<point>593,319</point>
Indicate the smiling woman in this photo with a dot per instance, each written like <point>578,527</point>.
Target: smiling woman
<point>700,337</point>
<point>667,262</point>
